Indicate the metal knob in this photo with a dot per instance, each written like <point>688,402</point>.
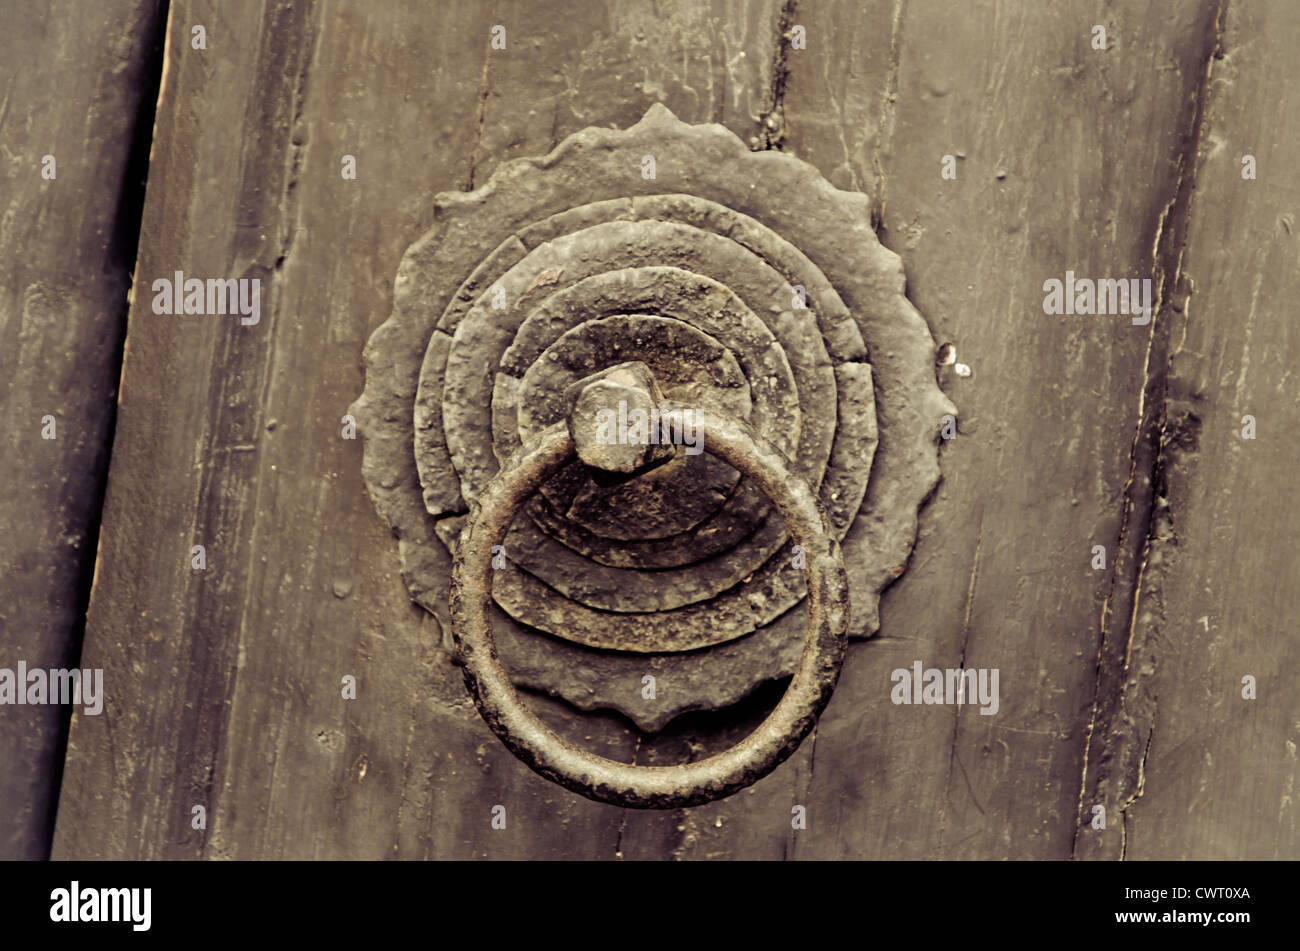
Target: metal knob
<point>598,778</point>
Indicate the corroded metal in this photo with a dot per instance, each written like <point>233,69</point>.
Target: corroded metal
<point>747,285</point>
<point>606,780</point>
<point>605,407</point>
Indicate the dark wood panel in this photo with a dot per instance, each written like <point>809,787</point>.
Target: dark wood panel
<point>1063,162</point>
<point>1194,769</point>
<point>224,684</point>
<point>72,88</point>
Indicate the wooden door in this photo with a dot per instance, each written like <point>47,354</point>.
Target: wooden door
<point>1110,533</point>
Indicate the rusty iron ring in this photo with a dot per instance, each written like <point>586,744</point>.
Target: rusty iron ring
<point>606,780</point>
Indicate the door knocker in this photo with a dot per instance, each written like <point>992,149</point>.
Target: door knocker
<point>731,295</point>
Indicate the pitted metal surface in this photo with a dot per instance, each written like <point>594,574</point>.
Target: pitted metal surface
<point>660,787</point>
<point>749,287</point>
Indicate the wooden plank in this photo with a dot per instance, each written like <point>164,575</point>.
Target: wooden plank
<point>1067,166</point>
<point>1063,159</point>
<point>708,62</point>
<point>1190,767</point>
<point>73,89</point>
<point>225,683</point>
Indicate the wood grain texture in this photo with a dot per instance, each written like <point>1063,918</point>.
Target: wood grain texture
<point>71,89</point>
<point>1193,768</point>
<point>224,685</point>
<point>1064,162</point>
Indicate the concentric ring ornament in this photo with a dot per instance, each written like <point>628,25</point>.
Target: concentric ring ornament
<point>757,294</point>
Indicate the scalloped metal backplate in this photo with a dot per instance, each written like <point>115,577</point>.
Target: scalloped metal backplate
<point>749,285</point>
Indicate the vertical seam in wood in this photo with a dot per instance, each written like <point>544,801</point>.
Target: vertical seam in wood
<point>771,121</point>
<point>482,116</point>
<point>961,665</point>
<point>888,111</point>
<point>1111,692</point>
<point>127,229</point>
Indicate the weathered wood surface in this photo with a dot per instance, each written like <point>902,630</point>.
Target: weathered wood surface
<point>223,684</point>
<point>1066,160</point>
<point>71,89</point>
<point>1201,771</point>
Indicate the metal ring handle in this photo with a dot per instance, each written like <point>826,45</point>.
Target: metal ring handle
<point>606,780</point>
